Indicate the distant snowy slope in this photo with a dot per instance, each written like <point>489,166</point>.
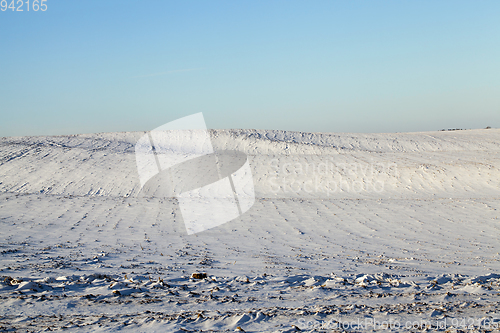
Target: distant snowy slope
<point>283,163</point>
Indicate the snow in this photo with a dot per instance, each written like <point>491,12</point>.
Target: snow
<point>345,228</point>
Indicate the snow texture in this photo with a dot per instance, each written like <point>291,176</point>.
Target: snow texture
<point>348,232</point>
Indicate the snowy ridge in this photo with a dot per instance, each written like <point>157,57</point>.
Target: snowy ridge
<point>444,163</point>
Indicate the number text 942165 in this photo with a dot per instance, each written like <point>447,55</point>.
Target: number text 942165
<point>23,5</point>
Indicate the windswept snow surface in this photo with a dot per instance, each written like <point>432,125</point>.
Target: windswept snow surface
<point>348,232</point>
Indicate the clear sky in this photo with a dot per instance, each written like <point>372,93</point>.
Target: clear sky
<point>315,66</point>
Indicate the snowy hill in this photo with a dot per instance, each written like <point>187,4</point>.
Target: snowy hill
<point>457,163</point>
<point>344,226</point>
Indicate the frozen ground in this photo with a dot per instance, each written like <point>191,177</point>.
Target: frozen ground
<point>352,230</point>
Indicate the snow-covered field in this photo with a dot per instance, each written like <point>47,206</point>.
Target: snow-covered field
<point>348,232</point>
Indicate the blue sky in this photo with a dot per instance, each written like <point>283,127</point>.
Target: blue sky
<point>316,66</point>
